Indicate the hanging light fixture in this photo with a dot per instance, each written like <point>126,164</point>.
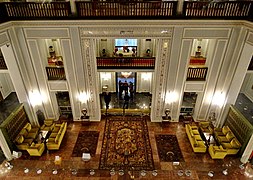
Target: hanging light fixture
<point>126,74</point>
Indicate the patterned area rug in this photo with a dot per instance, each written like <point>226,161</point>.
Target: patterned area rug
<point>86,143</point>
<point>168,148</point>
<point>126,144</point>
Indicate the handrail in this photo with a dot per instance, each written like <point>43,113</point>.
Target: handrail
<point>55,73</point>
<point>229,9</point>
<point>125,10</point>
<point>125,62</point>
<point>196,73</point>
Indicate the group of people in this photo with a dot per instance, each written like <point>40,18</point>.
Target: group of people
<point>124,87</point>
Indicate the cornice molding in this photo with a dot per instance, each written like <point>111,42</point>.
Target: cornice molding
<point>132,23</point>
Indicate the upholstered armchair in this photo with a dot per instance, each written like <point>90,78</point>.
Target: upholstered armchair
<point>36,149</point>
<point>48,125</point>
<point>217,152</point>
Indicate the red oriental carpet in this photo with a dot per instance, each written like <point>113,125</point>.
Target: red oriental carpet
<point>126,144</point>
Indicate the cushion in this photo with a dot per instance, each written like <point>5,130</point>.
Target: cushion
<point>230,136</point>
<point>33,144</point>
<point>62,125</point>
<point>31,135</point>
<point>57,138</point>
<point>235,143</point>
<point>28,127</point>
<point>198,137</point>
<point>28,141</point>
<point>195,132</point>
<point>56,129</point>
<point>23,132</point>
<point>53,135</point>
<point>204,124</point>
<point>225,129</point>
<point>51,140</point>
<point>19,139</point>
<point>195,143</point>
<point>194,127</point>
<point>191,133</point>
<point>201,143</point>
<point>48,122</point>
<point>226,145</point>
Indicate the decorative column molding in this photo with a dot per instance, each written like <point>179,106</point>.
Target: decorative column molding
<point>159,87</point>
<point>5,148</point>
<point>90,74</point>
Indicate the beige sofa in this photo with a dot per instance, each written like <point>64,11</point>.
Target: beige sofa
<point>56,136</point>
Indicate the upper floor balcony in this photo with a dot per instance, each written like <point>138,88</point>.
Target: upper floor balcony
<point>133,9</point>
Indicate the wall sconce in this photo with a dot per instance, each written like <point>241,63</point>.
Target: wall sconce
<point>218,99</point>
<point>35,98</point>
<point>146,76</point>
<point>84,97</point>
<point>170,97</point>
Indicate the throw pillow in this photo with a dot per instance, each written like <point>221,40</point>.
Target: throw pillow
<point>28,127</point>
<point>230,136</point>
<point>19,139</point>
<point>225,130</point>
<point>23,132</point>
<point>235,143</point>
<point>195,132</point>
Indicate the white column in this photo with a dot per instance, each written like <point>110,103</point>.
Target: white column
<point>248,150</point>
<point>5,148</point>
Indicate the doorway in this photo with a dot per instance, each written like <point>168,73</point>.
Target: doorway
<point>126,77</point>
<point>188,104</point>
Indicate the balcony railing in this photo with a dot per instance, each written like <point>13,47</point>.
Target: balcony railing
<point>2,63</point>
<point>197,74</point>
<point>126,9</point>
<point>218,9</point>
<point>125,63</point>
<point>55,73</point>
<point>132,9</point>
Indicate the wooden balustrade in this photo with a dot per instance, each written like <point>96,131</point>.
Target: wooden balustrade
<point>233,9</point>
<point>126,62</point>
<point>2,63</point>
<point>197,74</point>
<point>55,73</point>
<point>126,9</point>
<point>30,10</point>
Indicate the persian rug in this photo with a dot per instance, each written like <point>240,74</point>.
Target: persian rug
<point>168,148</point>
<point>86,143</point>
<point>126,144</point>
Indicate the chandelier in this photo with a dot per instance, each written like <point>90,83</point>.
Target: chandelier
<point>126,74</point>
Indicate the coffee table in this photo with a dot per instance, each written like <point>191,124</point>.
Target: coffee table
<point>42,136</point>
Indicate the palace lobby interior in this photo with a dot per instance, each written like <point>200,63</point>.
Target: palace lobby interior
<point>190,109</point>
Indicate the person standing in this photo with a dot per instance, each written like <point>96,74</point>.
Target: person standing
<point>131,89</point>
<point>120,89</point>
<point>125,87</point>
<point>126,101</point>
<point>107,98</point>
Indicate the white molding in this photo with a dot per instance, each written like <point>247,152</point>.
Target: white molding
<point>206,33</point>
<point>47,33</point>
<point>249,38</point>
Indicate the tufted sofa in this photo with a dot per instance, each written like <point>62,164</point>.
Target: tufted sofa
<point>56,136</point>
<point>227,139</point>
<point>26,136</point>
<point>195,139</point>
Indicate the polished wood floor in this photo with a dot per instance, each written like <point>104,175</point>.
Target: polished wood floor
<point>198,164</point>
